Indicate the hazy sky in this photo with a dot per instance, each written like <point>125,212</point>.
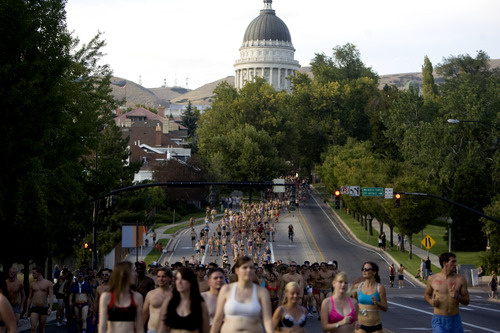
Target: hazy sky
<point>157,40</point>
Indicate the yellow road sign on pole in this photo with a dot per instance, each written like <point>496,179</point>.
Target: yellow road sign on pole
<point>428,242</point>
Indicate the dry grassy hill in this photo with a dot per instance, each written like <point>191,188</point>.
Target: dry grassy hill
<point>136,94</point>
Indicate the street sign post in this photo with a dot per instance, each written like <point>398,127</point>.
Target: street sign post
<point>428,242</point>
<point>373,191</point>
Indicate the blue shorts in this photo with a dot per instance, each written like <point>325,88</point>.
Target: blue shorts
<point>447,324</point>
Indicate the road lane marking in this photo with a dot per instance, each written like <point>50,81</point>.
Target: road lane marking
<point>482,308</point>
<point>310,233</point>
<point>431,314</point>
<point>355,244</point>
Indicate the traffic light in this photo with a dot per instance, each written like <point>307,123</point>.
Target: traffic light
<point>337,199</point>
<point>87,246</point>
<point>398,197</point>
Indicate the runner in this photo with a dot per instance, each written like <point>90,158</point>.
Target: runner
<point>154,299</point>
<point>41,290</point>
<point>16,294</point>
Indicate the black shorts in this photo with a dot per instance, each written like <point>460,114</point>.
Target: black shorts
<point>41,310</point>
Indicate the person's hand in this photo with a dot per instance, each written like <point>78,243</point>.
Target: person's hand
<point>374,300</point>
<point>347,320</point>
<point>435,300</point>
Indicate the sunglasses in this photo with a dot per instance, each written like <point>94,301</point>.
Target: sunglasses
<point>293,265</point>
<point>366,269</point>
<point>104,274</point>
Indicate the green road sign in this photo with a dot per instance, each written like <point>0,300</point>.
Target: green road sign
<point>373,191</point>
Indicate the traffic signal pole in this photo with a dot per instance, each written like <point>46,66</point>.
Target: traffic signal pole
<point>453,203</point>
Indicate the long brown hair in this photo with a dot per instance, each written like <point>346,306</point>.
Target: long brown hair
<point>120,279</point>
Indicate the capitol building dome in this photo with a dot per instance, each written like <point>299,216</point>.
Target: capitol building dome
<point>267,51</point>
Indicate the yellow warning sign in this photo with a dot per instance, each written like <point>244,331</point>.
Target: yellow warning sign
<point>428,242</point>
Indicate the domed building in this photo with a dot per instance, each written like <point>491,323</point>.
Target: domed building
<point>267,51</point>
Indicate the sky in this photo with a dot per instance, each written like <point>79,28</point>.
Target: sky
<point>190,43</point>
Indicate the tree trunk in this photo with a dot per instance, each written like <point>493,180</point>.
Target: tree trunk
<point>410,249</point>
<point>391,228</point>
<point>381,224</point>
<point>370,229</point>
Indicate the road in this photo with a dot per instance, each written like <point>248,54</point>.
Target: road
<point>319,236</point>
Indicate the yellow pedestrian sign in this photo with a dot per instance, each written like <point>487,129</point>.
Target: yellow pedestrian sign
<point>428,242</point>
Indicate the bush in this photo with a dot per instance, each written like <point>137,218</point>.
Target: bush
<point>166,217</point>
<point>491,261</point>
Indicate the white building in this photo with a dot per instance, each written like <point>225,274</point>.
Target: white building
<point>267,51</point>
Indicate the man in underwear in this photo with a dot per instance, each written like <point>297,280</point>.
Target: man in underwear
<point>40,290</point>
<point>324,283</point>
<point>392,272</point>
<point>143,284</point>
<point>312,281</point>
<point>16,293</point>
<point>154,299</point>
<point>216,280</point>
<point>200,276</point>
<point>103,287</point>
<point>292,275</point>
<point>445,291</point>
<point>401,276</point>
<point>81,296</point>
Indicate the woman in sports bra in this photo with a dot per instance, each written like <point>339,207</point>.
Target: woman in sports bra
<point>120,309</point>
<point>371,298</point>
<point>186,310</point>
<point>243,305</point>
<point>291,316</point>
<point>272,288</point>
<point>339,312</point>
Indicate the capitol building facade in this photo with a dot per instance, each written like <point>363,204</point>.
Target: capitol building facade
<point>267,51</point>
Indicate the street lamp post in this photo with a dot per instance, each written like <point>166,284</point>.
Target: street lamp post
<point>456,121</point>
<point>450,221</point>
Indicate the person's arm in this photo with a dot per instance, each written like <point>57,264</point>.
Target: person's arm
<point>278,313</point>
<point>145,308</point>
<point>23,297</point>
<point>96,305</point>
<point>103,312</point>
<point>429,293</point>
<point>463,293</point>
<point>267,311</point>
<point>8,316</point>
<point>51,296</point>
<point>139,323</point>
<point>30,298</point>
<point>163,328</point>
<point>219,312</point>
<point>382,305</point>
<point>205,326</point>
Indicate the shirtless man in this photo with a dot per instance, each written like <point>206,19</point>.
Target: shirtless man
<point>103,287</point>
<point>40,289</point>
<point>144,283</point>
<point>324,283</point>
<point>216,280</point>
<point>445,291</point>
<point>313,276</point>
<point>292,275</point>
<point>154,299</point>
<point>16,293</point>
<point>200,276</point>
<point>80,300</point>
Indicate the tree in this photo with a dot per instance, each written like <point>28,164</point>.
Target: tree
<point>190,118</point>
<point>430,90</point>
<point>345,64</point>
<point>59,104</point>
<point>247,134</point>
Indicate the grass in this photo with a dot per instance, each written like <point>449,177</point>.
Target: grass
<point>197,215</point>
<point>154,255</point>
<point>173,230</point>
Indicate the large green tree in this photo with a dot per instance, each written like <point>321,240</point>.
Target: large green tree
<point>57,102</point>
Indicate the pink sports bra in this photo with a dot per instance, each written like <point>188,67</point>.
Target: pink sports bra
<point>335,317</point>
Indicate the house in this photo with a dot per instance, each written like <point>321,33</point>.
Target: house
<point>152,139</point>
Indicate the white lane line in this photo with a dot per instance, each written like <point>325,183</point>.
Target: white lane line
<point>430,313</point>
<point>272,252</point>
<point>355,244</point>
<point>483,308</point>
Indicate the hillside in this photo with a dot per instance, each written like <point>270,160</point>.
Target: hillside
<point>136,94</point>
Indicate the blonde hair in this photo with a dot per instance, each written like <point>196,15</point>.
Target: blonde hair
<point>288,287</point>
<point>342,276</point>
